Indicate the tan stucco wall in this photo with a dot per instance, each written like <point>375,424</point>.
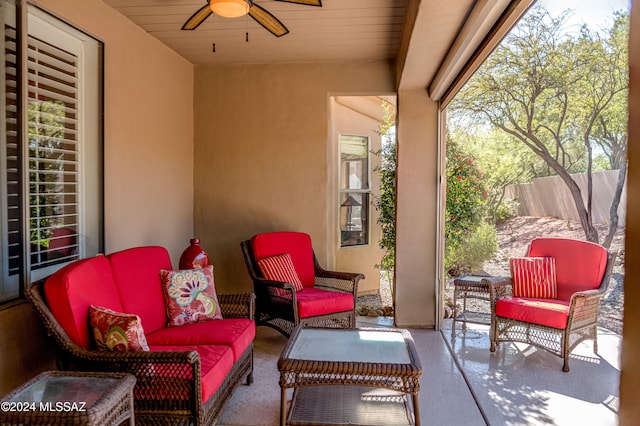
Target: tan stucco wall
<point>363,258</point>
<point>262,155</point>
<point>148,117</point>
<point>630,375</point>
<point>416,210</point>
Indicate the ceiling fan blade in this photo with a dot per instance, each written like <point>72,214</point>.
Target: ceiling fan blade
<point>306,2</point>
<point>267,20</point>
<point>197,18</point>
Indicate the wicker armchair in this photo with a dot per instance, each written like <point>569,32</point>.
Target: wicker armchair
<point>168,388</point>
<point>285,313</point>
<point>583,271</point>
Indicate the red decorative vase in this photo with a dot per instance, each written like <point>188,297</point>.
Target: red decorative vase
<point>194,256</point>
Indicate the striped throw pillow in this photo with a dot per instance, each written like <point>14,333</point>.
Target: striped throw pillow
<point>534,277</point>
<point>280,268</point>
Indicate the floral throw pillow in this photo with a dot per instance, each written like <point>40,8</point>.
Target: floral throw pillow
<point>115,331</point>
<point>190,296</point>
<point>280,268</point>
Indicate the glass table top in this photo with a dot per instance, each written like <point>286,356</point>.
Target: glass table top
<point>350,345</point>
<point>66,388</point>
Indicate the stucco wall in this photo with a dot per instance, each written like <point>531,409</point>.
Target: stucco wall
<point>416,210</point>
<point>261,154</point>
<point>148,127</point>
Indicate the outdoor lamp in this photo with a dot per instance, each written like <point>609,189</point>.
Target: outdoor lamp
<point>350,203</point>
<point>230,8</point>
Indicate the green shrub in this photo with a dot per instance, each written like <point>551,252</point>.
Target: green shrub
<point>469,254</point>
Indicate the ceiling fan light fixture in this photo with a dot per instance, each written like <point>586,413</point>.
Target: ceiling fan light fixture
<point>230,8</point>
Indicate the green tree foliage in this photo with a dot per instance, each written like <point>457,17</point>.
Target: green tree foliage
<point>559,94</point>
<point>385,204</point>
<point>468,240</point>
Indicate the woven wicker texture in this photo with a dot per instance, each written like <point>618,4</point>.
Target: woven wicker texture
<point>281,313</point>
<point>168,389</point>
<point>582,321</point>
<point>107,397</point>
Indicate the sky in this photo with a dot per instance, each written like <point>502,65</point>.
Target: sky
<point>598,14</point>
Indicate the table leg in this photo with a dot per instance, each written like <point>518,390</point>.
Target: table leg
<point>416,409</point>
<point>283,406</point>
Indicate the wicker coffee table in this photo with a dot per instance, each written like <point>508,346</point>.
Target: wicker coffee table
<point>72,398</point>
<point>363,376</point>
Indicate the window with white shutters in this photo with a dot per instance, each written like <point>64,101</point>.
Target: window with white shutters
<point>51,190</point>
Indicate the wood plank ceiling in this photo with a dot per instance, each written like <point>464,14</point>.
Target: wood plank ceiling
<point>340,30</point>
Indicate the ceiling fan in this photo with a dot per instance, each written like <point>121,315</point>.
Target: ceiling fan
<point>237,8</point>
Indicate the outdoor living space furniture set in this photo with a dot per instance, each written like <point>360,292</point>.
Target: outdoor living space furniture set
<point>151,325</point>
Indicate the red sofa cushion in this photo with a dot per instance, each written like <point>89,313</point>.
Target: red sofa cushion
<point>137,276</point>
<point>237,333</point>
<point>580,265</point>
<point>533,277</point>
<point>72,289</point>
<point>297,244</point>
<point>313,302</point>
<point>551,313</point>
<point>216,362</point>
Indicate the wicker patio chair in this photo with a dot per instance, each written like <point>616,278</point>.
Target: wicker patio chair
<point>168,388</point>
<point>557,325</point>
<point>279,305</point>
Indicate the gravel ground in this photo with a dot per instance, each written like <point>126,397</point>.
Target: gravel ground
<point>513,238</point>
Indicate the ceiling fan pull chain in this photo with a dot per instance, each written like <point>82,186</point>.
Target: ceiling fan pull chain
<point>213,49</point>
<point>246,37</point>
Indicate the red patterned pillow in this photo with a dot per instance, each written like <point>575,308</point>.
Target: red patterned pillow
<point>190,296</point>
<point>534,277</point>
<point>115,331</point>
<point>280,268</point>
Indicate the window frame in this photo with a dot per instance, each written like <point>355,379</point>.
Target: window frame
<point>34,22</point>
<point>366,192</point>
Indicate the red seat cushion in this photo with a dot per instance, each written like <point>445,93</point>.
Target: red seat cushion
<point>237,333</point>
<point>551,313</point>
<point>313,302</point>
<point>297,244</point>
<point>215,362</point>
<point>580,265</point>
<point>137,275</point>
<point>533,277</point>
<point>72,289</point>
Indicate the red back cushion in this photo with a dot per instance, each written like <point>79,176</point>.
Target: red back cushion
<point>297,244</point>
<point>580,265</point>
<point>137,275</point>
<point>533,277</point>
<point>72,289</point>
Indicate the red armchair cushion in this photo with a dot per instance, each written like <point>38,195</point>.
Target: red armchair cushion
<point>551,313</point>
<point>313,302</point>
<point>136,273</point>
<point>297,244</point>
<point>237,333</point>
<point>215,364</point>
<point>280,268</point>
<point>190,296</point>
<point>72,289</point>
<point>533,277</point>
<point>580,265</point>
<point>115,331</point>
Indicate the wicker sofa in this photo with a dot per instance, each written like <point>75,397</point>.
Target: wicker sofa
<point>189,372</point>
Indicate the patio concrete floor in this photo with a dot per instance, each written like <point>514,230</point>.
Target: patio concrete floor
<point>464,384</point>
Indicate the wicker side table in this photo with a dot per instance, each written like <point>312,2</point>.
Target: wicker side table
<point>65,397</point>
<point>474,287</point>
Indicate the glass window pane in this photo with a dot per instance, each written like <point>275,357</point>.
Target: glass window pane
<point>354,218</point>
<point>354,162</point>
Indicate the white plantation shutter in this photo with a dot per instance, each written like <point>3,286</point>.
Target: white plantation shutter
<point>61,211</point>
